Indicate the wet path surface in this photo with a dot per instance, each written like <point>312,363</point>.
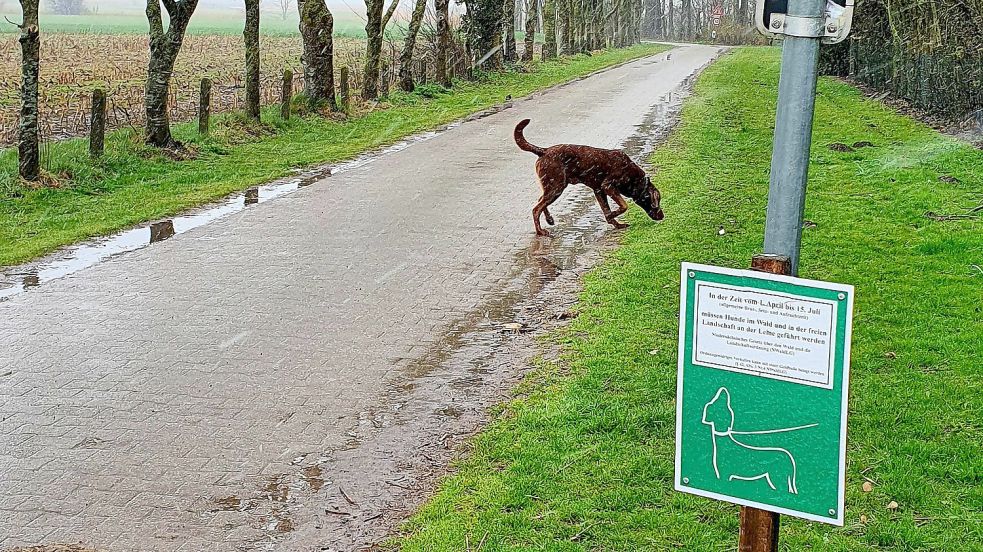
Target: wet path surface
<point>294,375</point>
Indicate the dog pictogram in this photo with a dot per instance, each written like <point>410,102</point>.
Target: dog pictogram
<point>741,461</point>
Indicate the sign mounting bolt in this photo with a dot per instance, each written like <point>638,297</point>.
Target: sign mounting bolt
<point>842,296</point>
<point>686,480</point>
<point>776,24</point>
<point>831,28</point>
<point>692,274</point>
<point>832,512</point>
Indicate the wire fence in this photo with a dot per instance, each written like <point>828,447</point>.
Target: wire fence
<point>946,82</point>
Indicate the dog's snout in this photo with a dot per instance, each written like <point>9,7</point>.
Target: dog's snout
<point>658,215</point>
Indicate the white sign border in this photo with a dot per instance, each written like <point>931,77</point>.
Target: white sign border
<point>838,520</point>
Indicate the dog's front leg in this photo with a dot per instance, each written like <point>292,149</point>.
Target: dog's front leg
<point>622,209</point>
<point>602,201</point>
<point>612,217</point>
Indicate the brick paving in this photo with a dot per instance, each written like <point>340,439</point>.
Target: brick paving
<point>154,401</point>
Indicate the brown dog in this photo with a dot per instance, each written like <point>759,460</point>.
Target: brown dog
<point>610,173</point>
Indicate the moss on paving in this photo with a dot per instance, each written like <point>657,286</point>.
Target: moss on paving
<point>583,460</point>
<point>132,184</point>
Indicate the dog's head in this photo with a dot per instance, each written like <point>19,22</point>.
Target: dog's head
<point>648,198</point>
<point>717,413</point>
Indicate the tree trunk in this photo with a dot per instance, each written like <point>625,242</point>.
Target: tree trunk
<point>443,42</point>
<point>483,26</point>
<point>409,44</point>
<point>250,35</point>
<point>657,29</point>
<point>625,19</point>
<point>375,26</point>
<point>532,17</point>
<point>687,23</point>
<point>567,26</point>
<point>373,48</point>
<point>508,22</point>
<point>549,28</point>
<point>583,11</point>
<point>670,28</point>
<point>28,147</point>
<point>316,27</point>
<point>164,48</point>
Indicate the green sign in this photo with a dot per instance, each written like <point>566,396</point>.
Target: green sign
<point>761,399</point>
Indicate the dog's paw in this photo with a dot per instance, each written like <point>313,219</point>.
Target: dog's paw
<point>549,220</point>
<point>544,233</point>
<point>619,225</point>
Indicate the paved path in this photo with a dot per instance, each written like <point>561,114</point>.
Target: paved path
<point>143,399</point>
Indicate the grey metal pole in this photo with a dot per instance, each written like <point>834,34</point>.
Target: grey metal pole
<point>793,136</point>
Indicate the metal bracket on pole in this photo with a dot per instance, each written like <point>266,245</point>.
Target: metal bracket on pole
<point>831,27</point>
<point>803,27</point>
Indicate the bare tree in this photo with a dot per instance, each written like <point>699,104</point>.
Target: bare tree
<point>316,27</point>
<point>409,44</point>
<point>28,151</point>
<point>375,26</point>
<point>443,42</point>
<point>532,17</point>
<point>164,48</point>
<point>250,35</point>
<point>285,8</point>
<point>67,7</point>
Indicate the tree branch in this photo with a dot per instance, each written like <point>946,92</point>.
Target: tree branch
<point>388,16</point>
<point>171,7</point>
<point>154,17</point>
<point>187,7</point>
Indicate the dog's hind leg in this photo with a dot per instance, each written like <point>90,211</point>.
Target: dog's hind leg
<point>549,217</point>
<point>550,194</point>
<point>602,201</point>
<point>552,180</point>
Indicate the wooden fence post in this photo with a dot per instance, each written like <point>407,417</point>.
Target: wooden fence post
<point>97,124</point>
<point>423,71</point>
<point>204,105</point>
<point>759,528</point>
<point>344,92</point>
<point>384,80</point>
<point>286,94</point>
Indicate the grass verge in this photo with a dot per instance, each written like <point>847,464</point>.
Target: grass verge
<point>583,459</point>
<point>132,183</point>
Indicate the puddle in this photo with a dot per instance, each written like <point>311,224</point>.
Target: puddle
<point>71,259</point>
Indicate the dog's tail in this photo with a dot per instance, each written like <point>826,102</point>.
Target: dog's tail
<point>523,143</point>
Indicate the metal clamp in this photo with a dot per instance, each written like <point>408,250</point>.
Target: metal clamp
<point>831,27</point>
<point>798,26</point>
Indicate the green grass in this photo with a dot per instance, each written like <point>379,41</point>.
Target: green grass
<point>202,22</point>
<point>583,458</point>
<point>131,183</point>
